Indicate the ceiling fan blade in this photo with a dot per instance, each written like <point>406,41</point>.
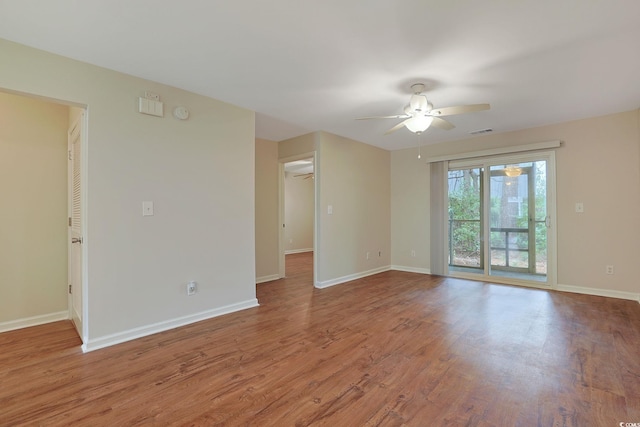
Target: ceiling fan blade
<point>441,124</point>
<point>396,127</point>
<point>304,175</point>
<point>398,116</point>
<point>461,109</point>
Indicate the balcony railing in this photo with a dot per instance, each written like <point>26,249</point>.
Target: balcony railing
<point>508,246</point>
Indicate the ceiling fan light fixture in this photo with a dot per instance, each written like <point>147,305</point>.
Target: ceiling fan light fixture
<point>419,124</point>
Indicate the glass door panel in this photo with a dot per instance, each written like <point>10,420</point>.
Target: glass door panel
<point>517,220</point>
<point>466,252</point>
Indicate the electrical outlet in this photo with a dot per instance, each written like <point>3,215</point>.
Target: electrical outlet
<point>192,288</point>
<point>609,269</point>
<point>368,255</point>
<point>413,253</point>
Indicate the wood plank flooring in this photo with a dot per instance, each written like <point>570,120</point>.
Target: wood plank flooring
<point>394,349</point>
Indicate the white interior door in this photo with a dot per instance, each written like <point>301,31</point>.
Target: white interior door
<point>75,224</point>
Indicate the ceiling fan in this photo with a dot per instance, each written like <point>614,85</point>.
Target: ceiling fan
<point>304,175</point>
<point>419,114</point>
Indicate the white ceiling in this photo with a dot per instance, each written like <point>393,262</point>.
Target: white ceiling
<point>306,65</point>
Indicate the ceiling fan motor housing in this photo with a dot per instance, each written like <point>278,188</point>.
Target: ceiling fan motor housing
<point>417,88</point>
<point>418,103</point>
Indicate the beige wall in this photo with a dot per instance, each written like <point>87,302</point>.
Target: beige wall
<point>267,223</point>
<point>355,180</point>
<point>596,165</point>
<point>199,173</point>
<point>410,211</point>
<point>33,189</point>
<point>303,144</point>
<point>299,208</point>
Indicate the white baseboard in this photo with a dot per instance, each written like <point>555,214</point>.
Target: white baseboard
<point>298,251</point>
<point>33,321</point>
<point>599,292</point>
<point>350,277</point>
<point>143,331</point>
<point>267,278</point>
<point>411,269</point>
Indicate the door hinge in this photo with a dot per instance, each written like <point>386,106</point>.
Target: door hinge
<point>69,288</point>
<point>70,221</point>
<point>69,154</point>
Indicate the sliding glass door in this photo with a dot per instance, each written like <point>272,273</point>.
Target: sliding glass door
<point>499,218</point>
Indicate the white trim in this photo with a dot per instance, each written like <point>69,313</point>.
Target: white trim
<point>350,277</point>
<point>610,293</point>
<point>411,269</point>
<point>281,254</point>
<point>267,278</point>
<point>497,151</point>
<point>27,322</point>
<point>86,239</point>
<point>143,331</point>
<point>298,251</point>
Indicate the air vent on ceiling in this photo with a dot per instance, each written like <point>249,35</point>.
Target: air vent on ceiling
<point>481,131</point>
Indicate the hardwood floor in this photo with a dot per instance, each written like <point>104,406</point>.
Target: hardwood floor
<point>394,349</point>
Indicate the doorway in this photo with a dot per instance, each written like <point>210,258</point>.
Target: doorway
<point>499,219</point>
<point>34,270</point>
<point>298,189</point>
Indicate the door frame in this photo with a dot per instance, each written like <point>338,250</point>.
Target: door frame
<point>281,222</point>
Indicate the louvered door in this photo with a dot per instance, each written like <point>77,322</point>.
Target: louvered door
<point>75,223</point>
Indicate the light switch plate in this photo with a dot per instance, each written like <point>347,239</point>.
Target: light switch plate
<point>151,107</point>
<point>147,208</point>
